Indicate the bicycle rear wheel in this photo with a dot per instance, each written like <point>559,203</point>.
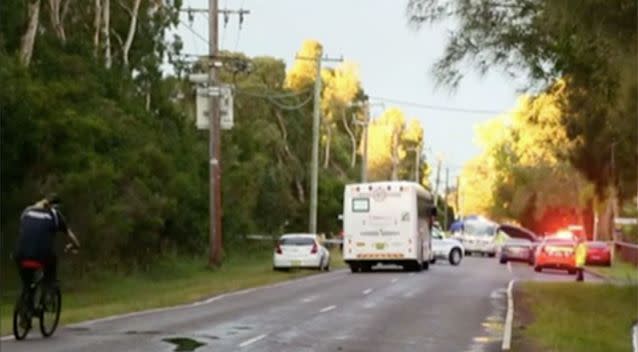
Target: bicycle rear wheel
<point>21,319</point>
<point>50,305</point>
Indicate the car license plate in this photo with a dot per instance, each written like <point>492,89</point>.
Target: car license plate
<point>380,246</point>
<point>595,257</point>
<point>296,263</point>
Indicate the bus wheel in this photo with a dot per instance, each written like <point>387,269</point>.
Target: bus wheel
<point>426,265</point>
<point>367,267</point>
<point>354,268</point>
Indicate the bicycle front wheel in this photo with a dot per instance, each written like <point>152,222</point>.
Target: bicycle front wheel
<point>21,319</point>
<point>50,306</point>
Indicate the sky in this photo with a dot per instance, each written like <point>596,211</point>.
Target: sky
<point>395,60</point>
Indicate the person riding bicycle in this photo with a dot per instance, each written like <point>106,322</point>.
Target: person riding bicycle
<point>39,224</point>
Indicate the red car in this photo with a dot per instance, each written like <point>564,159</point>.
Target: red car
<point>556,253</point>
<point>598,253</point>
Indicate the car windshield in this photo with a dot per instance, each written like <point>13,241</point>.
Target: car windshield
<point>479,229</point>
<point>297,241</point>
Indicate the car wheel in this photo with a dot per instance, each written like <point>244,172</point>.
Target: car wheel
<point>326,267</point>
<point>502,261</point>
<point>537,269</point>
<point>608,263</point>
<point>468,253</point>
<point>426,265</point>
<point>455,256</point>
<point>433,260</point>
<point>491,255</point>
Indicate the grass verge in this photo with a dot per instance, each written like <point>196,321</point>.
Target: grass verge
<point>619,270</point>
<point>574,317</point>
<point>172,281</point>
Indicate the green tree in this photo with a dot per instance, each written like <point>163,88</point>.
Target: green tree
<point>547,40</point>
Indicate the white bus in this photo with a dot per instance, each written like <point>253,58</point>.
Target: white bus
<point>387,223</point>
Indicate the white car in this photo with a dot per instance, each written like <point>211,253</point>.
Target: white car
<point>446,248</point>
<point>300,250</point>
<point>479,236</point>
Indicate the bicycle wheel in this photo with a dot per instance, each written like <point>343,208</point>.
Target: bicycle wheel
<point>21,319</point>
<point>50,304</point>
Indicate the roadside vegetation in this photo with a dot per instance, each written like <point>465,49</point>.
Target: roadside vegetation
<point>174,280</point>
<point>101,121</point>
<point>568,149</point>
<point>620,271</point>
<point>571,317</point>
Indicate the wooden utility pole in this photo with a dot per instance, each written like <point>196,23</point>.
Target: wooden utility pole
<point>447,177</point>
<point>436,184</point>
<point>364,154</point>
<point>316,125</point>
<point>457,207</point>
<point>214,143</point>
<point>214,131</point>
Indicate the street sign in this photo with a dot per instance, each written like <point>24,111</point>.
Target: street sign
<point>225,94</point>
<point>226,108</point>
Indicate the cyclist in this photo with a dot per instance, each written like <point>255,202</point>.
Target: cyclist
<point>39,224</point>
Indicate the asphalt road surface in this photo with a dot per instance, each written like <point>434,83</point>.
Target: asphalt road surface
<point>448,308</point>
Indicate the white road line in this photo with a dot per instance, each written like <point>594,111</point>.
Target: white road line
<point>327,309</point>
<point>309,299</point>
<point>395,280</point>
<point>411,274</point>
<point>634,340</point>
<point>253,340</point>
<point>367,291</point>
<point>507,332</point>
<point>509,267</point>
<point>198,303</point>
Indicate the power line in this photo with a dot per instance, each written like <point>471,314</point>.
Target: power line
<point>241,22</point>
<point>273,99</point>
<point>437,107</point>
<point>291,107</point>
<point>225,26</point>
<point>192,30</point>
<point>273,95</point>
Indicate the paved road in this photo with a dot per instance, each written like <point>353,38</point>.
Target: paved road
<point>444,309</point>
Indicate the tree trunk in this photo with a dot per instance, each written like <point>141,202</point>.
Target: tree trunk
<point>353,141</point>
<point>131,31</point>
<point>97,24</point>
<point>606,219</point>
<point>326,161</point>
<point>28,38</point>
<point>284,134</point>
<point>56,13</point>
<point>301,195</point>
<point>106,31</point>
<point>148,99</point>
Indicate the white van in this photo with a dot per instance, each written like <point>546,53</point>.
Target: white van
<point>387,223</point>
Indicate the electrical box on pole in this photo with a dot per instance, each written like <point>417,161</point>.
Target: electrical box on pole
<point>225,94</point>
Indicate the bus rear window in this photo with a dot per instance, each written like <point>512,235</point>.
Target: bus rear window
<point>360,205</point>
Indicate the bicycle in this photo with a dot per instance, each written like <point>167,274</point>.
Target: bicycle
<point>41,300</point>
